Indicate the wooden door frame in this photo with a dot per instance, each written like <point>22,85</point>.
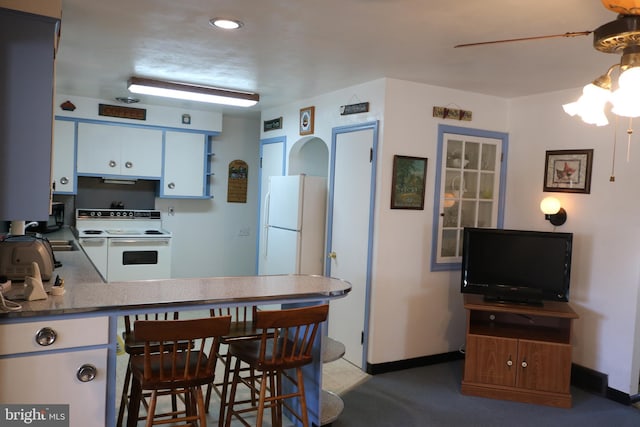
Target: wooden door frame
<point>373,125</point>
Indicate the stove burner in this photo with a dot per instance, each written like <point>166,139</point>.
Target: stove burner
<point>153,232</point>
<point>92,231</point>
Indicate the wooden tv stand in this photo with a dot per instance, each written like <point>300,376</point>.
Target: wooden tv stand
<point>518,352</point>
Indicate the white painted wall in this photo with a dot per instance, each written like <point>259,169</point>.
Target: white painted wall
<point>605,267</point>
<point>214,237</point>
<point>416,312</point>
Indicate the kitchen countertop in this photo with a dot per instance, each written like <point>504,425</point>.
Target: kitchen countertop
<point>86,292</point>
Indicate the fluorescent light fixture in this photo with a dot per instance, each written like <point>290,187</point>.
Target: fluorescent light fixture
<point>192,92</point>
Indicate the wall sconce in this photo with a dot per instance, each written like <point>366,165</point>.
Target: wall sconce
<point>553,212</point>
<point>192,92</point>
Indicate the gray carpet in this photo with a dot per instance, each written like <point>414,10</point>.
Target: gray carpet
<point>430,396</point>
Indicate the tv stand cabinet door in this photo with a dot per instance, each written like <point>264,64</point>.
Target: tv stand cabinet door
<point>544,366</point>
<point>491,360</point>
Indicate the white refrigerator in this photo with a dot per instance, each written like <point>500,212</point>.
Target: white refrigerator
<point>292,236</point>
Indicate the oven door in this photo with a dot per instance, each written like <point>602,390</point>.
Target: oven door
<point>138,259</point>
<point>96,250</point>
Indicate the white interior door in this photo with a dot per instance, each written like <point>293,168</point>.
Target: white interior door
<point>271,164</point>
<point>351,205</point>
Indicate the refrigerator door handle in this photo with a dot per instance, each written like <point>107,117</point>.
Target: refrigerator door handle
<point>267,200</point>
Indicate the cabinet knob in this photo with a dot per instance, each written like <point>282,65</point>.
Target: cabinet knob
<point>332,255</point>
<point>509,363</point>
<point>86,373</point>
<point>64,180</point>
<point>112,163</point>
<point>524,364</point>
<point>171,185</point>
<point>128,165</point>
<point>46,336</point>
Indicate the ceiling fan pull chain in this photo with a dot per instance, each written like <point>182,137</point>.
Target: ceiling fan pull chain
<point>629,133</point>
<point>612,178</point>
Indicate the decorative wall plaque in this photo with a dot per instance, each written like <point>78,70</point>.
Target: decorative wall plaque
<point>361,107</point>
<point>237,186</point>
<point>272,124</point>
<point>122,112</point>
<point>452,113</point>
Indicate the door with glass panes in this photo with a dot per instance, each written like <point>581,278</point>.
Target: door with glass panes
<point>469,189</point>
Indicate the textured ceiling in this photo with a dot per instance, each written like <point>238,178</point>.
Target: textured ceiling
<point>290,50</point>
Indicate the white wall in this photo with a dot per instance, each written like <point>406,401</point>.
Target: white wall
<point>605,268</point>
<point>214,237</point>
<point>416,312</point>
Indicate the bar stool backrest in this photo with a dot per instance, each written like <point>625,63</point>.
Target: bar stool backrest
<point>288,335</point>
<point>177,362</point>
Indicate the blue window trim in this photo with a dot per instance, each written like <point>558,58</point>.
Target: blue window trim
<point>443,129</point>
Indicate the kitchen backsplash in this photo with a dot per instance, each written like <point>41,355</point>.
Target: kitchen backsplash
<point>93,193</point>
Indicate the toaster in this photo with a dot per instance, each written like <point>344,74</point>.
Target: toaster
<point>18,252</point>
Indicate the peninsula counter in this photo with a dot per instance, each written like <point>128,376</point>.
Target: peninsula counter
<point>85,322</point>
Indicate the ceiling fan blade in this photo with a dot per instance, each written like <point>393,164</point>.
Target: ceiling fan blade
<point>570,34</point>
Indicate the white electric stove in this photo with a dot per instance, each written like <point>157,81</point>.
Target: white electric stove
<point>125,244</point>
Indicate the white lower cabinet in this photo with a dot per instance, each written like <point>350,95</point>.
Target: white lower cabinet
<point>57,362</point>
<point>48,379</point>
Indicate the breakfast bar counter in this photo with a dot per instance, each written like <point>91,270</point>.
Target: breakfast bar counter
<point>82,327</point>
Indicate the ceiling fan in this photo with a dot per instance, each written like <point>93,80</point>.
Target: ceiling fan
<point>620,35</point>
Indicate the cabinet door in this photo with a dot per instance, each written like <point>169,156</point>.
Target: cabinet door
<point>544,366</point>
<point>490,360</point>
<point>108,150</point>
<point>64,164</point>
<point>50,378</point>
<point>468,191</point>
<point>184,165</point>
<point>141,152</point>
<point>98,153</point>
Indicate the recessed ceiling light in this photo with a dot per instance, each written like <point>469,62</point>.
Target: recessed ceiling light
<point>127,99</point>
<point>226,24</point>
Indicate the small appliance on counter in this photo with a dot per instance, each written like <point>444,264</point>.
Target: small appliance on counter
<point>54,223</point>
<point>17,253</point>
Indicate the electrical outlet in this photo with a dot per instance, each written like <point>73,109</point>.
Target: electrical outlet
<point>172,210</point>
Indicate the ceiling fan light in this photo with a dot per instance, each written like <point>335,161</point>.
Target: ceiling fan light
<point>630,79</point>
<point>626,103</point>
<point>571,108</point>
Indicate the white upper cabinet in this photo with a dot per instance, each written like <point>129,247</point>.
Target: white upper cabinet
<point>120,151</point>
<point>64,165</point>
<point>185,157</point>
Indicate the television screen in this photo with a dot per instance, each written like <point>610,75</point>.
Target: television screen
<point>516,265</point>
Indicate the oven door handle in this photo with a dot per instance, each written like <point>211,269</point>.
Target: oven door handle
<point>141,242</point>
<point>92,241</point>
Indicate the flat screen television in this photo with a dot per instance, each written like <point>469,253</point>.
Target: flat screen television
<point>516,265</point>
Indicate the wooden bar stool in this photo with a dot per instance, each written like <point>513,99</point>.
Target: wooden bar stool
<point>175,369</point>
<point>242,328</point>
<point>131,347</point>
<point>286,342</point>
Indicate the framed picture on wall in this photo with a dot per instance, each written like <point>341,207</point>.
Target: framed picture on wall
<point>306,120</point>
<point>408,182</point>
<point>568,171</point>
